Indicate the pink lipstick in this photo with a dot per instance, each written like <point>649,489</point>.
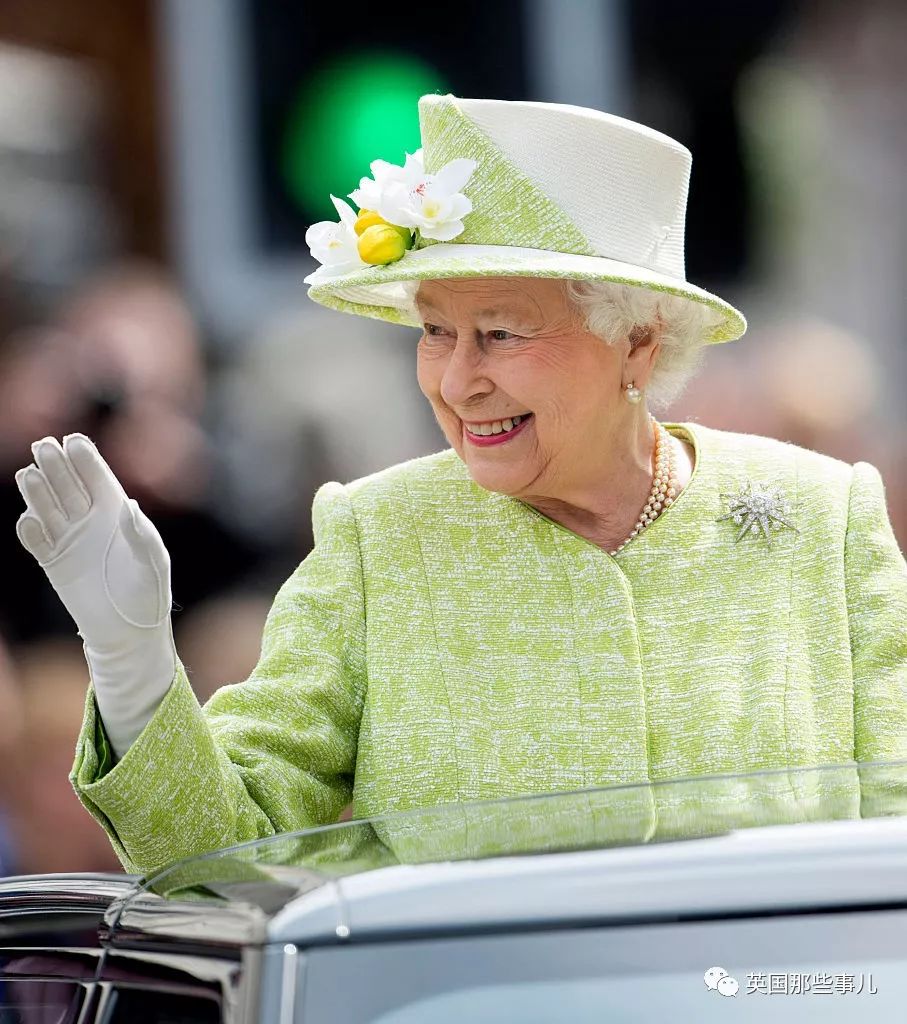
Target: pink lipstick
<point>505,435</point>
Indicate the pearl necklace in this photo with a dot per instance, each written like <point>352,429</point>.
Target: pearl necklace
<point>664,483</point>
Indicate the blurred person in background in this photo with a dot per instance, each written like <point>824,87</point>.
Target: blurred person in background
<point>573,595</point>
<point>121,361</point>
<point>816,385</point>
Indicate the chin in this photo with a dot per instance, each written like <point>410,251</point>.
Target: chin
<point>495,478</point>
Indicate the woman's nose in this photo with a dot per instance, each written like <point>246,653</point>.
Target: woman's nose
<point>463,375</point>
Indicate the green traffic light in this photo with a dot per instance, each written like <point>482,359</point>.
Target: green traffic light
<point>358,108</point>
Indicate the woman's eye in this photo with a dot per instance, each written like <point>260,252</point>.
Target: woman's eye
<point>501,335</point>
<point>433,329</point>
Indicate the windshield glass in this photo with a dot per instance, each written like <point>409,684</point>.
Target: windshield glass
<point>268,872</point>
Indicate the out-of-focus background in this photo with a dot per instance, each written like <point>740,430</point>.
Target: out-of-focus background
<point>160,161</point>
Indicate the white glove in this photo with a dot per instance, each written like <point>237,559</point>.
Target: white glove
<point>107,562</point>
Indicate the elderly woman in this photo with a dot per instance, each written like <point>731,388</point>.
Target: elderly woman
<point>572,595</point>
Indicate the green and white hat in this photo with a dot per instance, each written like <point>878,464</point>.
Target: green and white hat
<point>513,189</point>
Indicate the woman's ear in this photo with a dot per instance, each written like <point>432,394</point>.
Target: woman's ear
<point>645,344</point>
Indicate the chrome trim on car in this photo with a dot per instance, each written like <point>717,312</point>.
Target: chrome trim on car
<point>70,952</point>
<point>189,925</point>
<point>288,983</point>
<point>248,996</point>
<point>102,999</point>
<point>88,1011</point>
<point>63,893</point>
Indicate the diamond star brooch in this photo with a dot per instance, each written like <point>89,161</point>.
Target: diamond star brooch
<point>758,509</point>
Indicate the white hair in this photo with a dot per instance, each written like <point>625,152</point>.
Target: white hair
<point>615,311</point>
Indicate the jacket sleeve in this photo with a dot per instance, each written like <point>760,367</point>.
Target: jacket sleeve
<point>272,754</point>
<point>876,581</point>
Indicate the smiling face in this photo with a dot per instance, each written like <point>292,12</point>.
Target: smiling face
<point>529,399</point>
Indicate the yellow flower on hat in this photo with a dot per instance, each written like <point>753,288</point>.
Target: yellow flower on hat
<point>369,218</point>
<point>366,219</point>
<point>383,243</point>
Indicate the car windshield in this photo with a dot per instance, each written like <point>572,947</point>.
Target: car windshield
<point>270,871</point>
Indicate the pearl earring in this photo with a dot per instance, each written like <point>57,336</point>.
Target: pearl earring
<point>632,393</point>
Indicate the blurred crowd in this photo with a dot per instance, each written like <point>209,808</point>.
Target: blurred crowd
<point>224,446</point>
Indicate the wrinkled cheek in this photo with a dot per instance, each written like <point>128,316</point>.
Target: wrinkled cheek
<point>449,424</point>
<point>428,385</point>
<point>425,383</point>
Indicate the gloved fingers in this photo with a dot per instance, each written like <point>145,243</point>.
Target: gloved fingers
<point>32,537</point>
<point>71,496</point>
<point>41,503</point>
<point>96,476</point>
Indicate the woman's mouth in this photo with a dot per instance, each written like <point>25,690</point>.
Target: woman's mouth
<point>495,431</point>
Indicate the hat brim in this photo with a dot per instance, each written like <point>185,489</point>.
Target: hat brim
<point>380,291</point>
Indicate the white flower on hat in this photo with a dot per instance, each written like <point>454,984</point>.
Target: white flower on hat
<point>368,195</point>
<point>435,205</point>
<point>334,244</point>
<point>410,198</point>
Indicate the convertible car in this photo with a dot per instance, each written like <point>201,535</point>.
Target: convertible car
<point>545,912</point>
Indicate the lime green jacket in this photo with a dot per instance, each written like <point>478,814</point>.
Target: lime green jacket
<point>443,643</point>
